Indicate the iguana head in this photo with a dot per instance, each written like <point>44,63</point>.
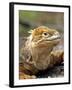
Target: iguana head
<point>43,37</point>
<point>42,41</point>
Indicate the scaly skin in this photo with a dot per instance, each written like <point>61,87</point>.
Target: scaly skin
<point>38,54</point>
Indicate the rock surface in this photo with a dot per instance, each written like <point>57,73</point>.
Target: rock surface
<point>57,71</point>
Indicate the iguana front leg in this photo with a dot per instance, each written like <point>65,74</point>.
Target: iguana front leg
<point>24,73</point>
<point>56,57</point>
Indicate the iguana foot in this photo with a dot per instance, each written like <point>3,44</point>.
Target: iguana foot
<point>25,76</point>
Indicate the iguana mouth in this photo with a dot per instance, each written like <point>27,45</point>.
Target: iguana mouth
<point>53,38</point>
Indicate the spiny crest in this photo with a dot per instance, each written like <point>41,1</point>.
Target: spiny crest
<point>40,30</point>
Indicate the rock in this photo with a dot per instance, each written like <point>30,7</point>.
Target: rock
<point>57,71</point>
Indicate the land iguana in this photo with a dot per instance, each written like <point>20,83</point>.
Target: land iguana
<point>37,54</point>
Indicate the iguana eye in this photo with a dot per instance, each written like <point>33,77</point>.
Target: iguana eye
<point>46,34</point>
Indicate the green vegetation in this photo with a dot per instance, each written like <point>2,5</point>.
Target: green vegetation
<point>31,19</point>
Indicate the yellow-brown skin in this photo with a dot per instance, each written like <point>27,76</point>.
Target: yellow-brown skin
<point>40,45</point>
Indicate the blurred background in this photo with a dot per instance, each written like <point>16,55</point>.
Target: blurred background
<point>32,19</point>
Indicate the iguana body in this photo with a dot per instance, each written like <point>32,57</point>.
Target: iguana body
<point>38,54</point>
